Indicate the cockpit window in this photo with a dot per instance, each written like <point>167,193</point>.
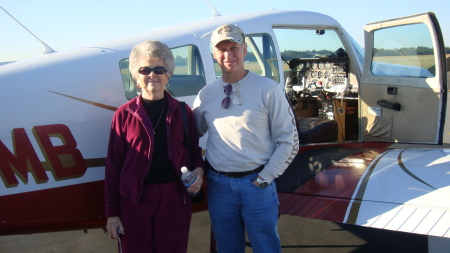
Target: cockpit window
<point>405,51</point>
<point>189,76</point>
<point>187,79</point>
<point>306,44</point>
<point>261,57</point>
<point>128,85</point>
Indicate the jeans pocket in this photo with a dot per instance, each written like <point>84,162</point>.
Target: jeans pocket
<point>211,176</point>
<point>252,177</point>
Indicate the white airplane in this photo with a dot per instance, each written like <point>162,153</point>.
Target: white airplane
<point>355,109</point>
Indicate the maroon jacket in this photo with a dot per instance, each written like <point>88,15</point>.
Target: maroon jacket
<point>131,146</point>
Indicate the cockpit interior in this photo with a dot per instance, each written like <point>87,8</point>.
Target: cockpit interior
<point>321,88</point>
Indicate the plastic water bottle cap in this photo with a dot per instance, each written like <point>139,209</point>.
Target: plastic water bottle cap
<point>184,169</point>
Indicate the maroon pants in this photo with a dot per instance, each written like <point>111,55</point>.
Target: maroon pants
<point>158,223</point>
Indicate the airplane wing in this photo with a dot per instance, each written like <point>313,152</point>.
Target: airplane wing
<point>404,190</point>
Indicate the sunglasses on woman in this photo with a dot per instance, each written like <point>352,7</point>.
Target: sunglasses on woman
<point>157,70</point>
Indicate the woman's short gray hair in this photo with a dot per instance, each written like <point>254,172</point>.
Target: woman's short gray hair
<point>152,49</point>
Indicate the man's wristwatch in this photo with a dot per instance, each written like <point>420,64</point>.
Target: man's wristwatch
<point>262,183</point>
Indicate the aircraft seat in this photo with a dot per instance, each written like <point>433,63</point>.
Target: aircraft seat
<point>186,85</point>
<point>316,130</point>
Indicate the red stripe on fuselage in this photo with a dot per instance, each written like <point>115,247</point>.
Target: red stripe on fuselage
<point>72,207</point>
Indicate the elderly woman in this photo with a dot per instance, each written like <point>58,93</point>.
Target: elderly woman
<point>147,204</point>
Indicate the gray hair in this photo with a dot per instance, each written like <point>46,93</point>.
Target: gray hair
<point>152,49</point>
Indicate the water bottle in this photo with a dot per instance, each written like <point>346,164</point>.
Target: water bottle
<point>188,178</point>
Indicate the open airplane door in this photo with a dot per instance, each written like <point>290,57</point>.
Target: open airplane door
<point>404,81</point>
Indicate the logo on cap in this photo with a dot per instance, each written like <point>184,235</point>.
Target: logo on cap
<point>225,30</point>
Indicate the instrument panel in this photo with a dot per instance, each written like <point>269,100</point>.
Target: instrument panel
<point>322,76</point>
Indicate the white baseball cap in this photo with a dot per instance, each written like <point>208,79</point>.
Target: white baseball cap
<point>227,32</point>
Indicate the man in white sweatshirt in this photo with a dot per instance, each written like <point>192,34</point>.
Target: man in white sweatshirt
<point>252,139</point>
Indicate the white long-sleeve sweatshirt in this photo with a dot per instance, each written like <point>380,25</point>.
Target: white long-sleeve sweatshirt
<point>258,127</point>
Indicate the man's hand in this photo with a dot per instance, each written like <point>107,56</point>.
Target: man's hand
<point>256,182</point>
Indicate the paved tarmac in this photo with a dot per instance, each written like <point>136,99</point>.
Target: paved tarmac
<point>297,235</point>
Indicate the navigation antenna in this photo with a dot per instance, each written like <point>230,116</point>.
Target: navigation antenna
<point>215,12</point>
<point>48,50</point>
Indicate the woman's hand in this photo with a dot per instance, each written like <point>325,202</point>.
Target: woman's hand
<point>197,185</point>
<point>113,224</point>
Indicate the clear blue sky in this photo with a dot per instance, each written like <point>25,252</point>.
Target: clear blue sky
<point>65,24</point>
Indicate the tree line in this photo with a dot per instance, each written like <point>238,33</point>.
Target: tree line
<point>404,51</point>
<point>291,54</point>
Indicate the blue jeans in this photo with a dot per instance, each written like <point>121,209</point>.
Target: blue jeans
<point>236,204</point>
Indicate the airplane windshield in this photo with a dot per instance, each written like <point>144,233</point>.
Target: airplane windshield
<point>309,43</point>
